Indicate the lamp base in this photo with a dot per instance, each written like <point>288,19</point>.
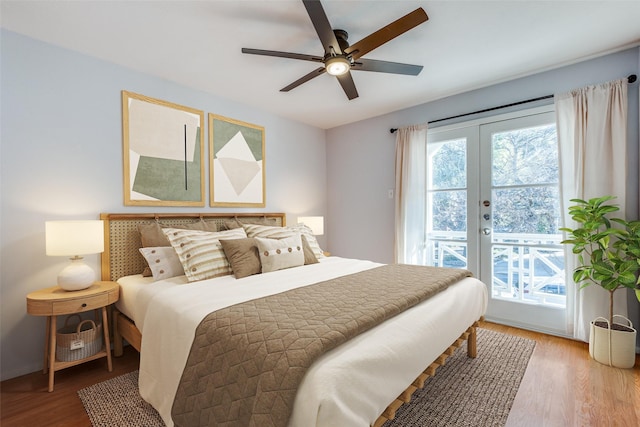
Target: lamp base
<point>76,276</point>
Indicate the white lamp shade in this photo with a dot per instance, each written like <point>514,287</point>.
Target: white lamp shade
<point>315,223</point>
<point>71,238</point>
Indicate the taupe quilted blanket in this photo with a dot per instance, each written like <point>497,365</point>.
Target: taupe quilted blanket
<point>247,360</point>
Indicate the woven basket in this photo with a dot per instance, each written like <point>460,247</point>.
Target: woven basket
<point>85,330</point>
<point>612,347</point>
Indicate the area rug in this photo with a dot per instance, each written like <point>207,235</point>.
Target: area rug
<point>464,392</point>
<point>471,392</point>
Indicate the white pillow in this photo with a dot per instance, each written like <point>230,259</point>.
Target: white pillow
<point>163,262</point>
<point>201,252</point>
<point>279,254</point>
<point>254,230</point>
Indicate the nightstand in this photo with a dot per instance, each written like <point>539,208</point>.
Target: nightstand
<point>55,301</point>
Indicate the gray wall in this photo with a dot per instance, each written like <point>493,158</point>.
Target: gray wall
<point>61,158</point>
<point>360,156</point>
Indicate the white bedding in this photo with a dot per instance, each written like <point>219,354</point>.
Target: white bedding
<point>348,386</point>
<point>130,286</point>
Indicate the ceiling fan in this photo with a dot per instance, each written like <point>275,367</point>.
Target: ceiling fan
<point>340,57</point>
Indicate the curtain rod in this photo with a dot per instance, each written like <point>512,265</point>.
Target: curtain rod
<point>631,79</point>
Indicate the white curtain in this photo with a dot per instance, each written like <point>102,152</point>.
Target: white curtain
<point>411,194</point>
<point>592,141</point>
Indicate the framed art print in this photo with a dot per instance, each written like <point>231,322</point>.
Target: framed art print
<point>163,150</point>
<point>236,163</point>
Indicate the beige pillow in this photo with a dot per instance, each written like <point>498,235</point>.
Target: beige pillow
<point>243,256</point>
<point>151,235</point>
<point>309,257</point>
<point>201,252</point>
<point>163,262</point>
<point>280,254</point>
<point>254,230</point>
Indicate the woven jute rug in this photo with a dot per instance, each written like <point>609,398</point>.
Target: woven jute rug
<point>463,392</point>
<point>471,392</point>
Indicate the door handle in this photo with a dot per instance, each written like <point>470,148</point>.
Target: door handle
<point>486,231</point>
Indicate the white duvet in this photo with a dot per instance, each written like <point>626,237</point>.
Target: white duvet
<point>348,386</point>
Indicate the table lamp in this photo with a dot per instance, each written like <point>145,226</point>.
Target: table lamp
<point>315,223</point>
<point>75,238</point>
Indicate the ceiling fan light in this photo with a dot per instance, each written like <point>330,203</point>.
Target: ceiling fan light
<point>337,65</point>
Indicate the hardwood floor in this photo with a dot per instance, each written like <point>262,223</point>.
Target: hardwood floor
<point>25,400</point>
<point>562,387</point>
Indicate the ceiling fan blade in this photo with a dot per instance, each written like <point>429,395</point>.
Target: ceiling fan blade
<point>387,33</point>
<point>386,67</point>
<point>315,73</point>
<point>349,87</point>
<point>323,27</point>
<point>290,55</point>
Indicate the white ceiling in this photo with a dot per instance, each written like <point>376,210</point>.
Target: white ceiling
<point>463,46</point>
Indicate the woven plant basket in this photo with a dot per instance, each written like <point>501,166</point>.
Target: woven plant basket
<point>612,347</point>
<point>86,330</point>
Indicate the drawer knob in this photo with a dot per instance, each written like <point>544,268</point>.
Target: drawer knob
<point>84,304</point>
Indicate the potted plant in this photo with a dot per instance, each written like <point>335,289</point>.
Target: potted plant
<point>608,252</point>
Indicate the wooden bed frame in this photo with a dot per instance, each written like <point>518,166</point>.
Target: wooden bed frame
<point>122,258</point>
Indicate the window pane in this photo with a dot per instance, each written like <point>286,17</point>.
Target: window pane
<point>448,165</point>
<point>525,156</point>
<point>448,211</point>
<point>450,254</point>
<point>534,210</point>
<point>529,274</point>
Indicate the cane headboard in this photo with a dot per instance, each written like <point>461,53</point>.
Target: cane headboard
<point>122,239</point>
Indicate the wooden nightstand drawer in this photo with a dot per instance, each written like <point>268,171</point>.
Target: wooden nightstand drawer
<point>80,304</point>
<point>54,301</point>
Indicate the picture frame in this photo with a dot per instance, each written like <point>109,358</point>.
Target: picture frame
<point>236,163</point>
<point>163,152</point>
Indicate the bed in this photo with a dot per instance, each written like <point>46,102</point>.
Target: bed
<point>360,382</point>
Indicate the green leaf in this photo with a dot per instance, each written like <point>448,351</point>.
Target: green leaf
<point>607,249</point>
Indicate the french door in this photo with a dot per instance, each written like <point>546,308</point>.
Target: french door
<point>493,208</point>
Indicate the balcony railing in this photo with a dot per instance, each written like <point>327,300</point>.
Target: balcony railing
<point>527,268</point>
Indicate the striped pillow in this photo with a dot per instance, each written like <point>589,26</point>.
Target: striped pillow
<point>267,232</point>
<point>201,252</point>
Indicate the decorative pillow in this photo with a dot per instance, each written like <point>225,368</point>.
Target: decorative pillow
<point>309,257</point>
<point>151,235</point>
<point>243,256</point>
<point>279,254</point>
<point>200,252</point>
<point>163,262</point>
<point>267,232</point>
<point>239,222</point>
